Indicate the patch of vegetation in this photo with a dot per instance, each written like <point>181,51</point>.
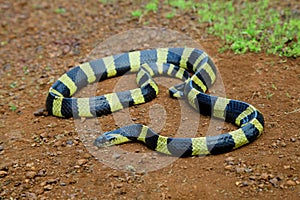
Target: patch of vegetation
<point>60,10</point>
<point>246,26</point>
<point>137,13</point>
<point>12,107</point>
<point>252,27</point>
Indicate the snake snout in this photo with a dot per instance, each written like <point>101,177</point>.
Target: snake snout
<point>104,140</point>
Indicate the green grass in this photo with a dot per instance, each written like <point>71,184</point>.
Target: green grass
<point>12,107</point>
<point>250,26</point>
<point>60,10</point>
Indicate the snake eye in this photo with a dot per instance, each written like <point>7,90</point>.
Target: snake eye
<point>105,139</point>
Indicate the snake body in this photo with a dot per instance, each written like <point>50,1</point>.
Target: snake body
<point>174,62</point>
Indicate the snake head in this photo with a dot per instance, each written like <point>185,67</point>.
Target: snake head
<point>106,139</point>
<point>111,138</point>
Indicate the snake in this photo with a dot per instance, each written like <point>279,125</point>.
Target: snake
<point>198,73</point>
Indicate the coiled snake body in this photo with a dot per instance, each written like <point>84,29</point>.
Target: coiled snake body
<point>174,62</point>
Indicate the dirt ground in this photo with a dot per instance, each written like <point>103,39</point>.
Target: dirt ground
<point>44,157</point>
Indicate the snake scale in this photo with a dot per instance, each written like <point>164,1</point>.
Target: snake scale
<point>175,62</point>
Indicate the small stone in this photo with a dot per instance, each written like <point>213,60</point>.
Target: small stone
<point>283,144</point>
<point>86,155</point>
<point>261,185</point>
<point>240,170</point>
<point>237,183</point>
<point>3,174</point>
<point>40,112</point>
<point>290,183</point>
<point>245,183</point>
<point>248,170</point>
<point>286,167</point>
<point>48,187</point>
<point>264,176</point>
<point>229,159</point>
<point>69,142</point>
<point>44,135</point>
<point>130,168</point>
<point>62,184</point>
<point>274,182</point>
<point>116,156</point>
<point>31,195</point>
<point>293,139</point>
<point>51,181</point>
<point>43,184</point>
<point>229,167</point>
<point>1,148</point>
<point>252,177</point>
<point>57,143</point>
<point>274,145</point>
<point>30,174</point>
<point>81,161</point>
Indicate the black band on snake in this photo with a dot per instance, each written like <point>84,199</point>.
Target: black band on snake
<point>175,62</point>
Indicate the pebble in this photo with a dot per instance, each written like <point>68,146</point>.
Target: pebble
<point>48,187</point>
<point>283,144</point>
<point>3,174</point>
<point>30,174</point>
<point>230,160</point>
<point>40,112</point>
<point>229,167</point>
<point>274,182</point>
<point>290,183</point>
<point>240,170</point>
<point>51,181</point>
<point>264,176</point>
<point>116,156</point>
<point>62,184</point>
<point>293,139</point>
<point>81,161</point>
<point>1,148</point>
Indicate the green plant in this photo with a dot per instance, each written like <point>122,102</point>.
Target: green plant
<point>252,26</point>
<point>60,10</point>
<point>12,107</point>
<point>247,26</point>
<point>136,13</point>
<point>151,6</point>
<point>181,4</point>
<point>170,15</point>
<point>13,85</point>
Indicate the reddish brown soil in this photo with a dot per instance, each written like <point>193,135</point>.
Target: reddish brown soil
<point>45,157</point>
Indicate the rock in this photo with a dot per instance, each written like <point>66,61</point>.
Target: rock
<point>274,182</point>
<point>229,167</point>
<point>290,183</point>
<point>240,170</point>
<point>30,174</point>
<point>62,184</point>
<point>31,195</point>
<point>81,161</point>
<point>1,148</point>
<point>229,159</point>
<point>264,176</point>
<point>51,181</point>
<point>3,174</point>
<point>293,139</point>
<point>283,144</point>
<point>116,156</point>
<point>40,112</point>
<point>48,187</point>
